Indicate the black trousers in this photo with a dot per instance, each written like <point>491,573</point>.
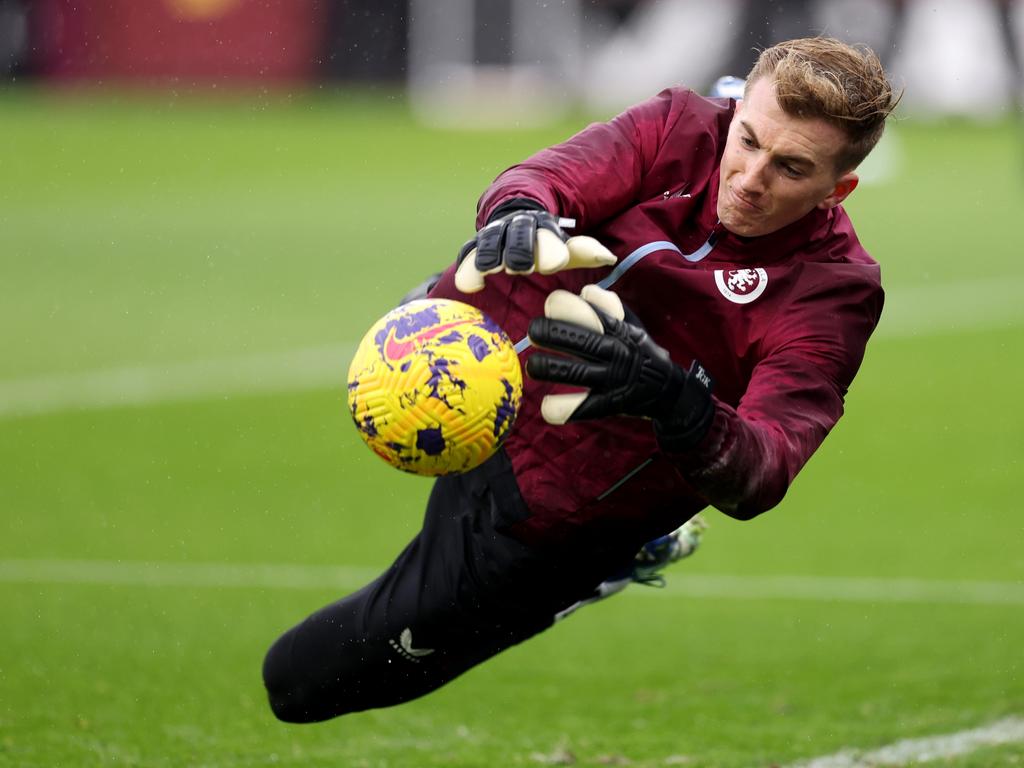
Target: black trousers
<point>461,592</point>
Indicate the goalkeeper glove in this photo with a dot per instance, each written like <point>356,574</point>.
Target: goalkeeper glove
<point>521,237</point>
<point>624,370</point>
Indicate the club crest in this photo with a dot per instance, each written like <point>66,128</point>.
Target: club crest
<point>741,286</point>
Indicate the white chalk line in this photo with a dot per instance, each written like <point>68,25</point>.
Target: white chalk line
<point>844,589</point>
<point>293,370</point>
<point>193,575</point>
<point>689,585</point>
<point>1009,730</point>
<point>914,312</point>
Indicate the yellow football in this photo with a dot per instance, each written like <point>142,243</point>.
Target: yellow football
<point>435,387</point>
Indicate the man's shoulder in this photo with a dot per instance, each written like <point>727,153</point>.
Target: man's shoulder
<point>836,244</point>
<point>705,112</point>
<point>833,269</point>
<point>683,134</point>
<point>839,281</point>
<point>845,282</point>
<point>678,108</point>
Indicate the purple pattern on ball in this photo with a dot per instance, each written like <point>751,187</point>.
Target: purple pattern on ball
<point>430,441</point>
<point>506,412</point>
<point>439,371</point>
<point>478,347</point>
<point>489,325</point>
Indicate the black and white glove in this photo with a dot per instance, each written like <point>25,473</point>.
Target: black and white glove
<point>624,371</point>
<point>520,238</point>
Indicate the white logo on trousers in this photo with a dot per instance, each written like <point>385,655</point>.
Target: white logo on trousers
<point>404,647</point>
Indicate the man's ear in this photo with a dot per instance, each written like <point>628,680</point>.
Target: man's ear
<point>844,186</point>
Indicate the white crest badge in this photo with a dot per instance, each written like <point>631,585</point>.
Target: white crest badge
<point>741,286</point>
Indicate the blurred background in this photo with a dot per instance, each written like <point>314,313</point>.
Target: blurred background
<point>203,206</point>
<point>495,58</point>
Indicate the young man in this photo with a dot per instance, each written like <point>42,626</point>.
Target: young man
<point>691,346</point>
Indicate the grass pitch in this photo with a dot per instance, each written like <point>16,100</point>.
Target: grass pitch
<point>153,547</point>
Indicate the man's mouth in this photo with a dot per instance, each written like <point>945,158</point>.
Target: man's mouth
<point>744,203</point>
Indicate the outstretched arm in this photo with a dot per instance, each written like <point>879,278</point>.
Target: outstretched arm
<point>525,217</point>
<point>741,460</point>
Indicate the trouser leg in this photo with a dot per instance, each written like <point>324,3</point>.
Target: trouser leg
<point>460,593</point>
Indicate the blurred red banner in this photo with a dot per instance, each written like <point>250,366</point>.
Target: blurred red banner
<point>180,41</point>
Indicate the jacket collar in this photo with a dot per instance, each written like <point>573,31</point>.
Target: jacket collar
<point>797,237</point>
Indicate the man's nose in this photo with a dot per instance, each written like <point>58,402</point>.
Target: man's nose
<point>753,179</point>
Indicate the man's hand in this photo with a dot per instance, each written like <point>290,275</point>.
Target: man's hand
<point>521,240</point>
<point>623,369</point>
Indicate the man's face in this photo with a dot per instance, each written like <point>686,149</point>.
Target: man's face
<point>777,168</point>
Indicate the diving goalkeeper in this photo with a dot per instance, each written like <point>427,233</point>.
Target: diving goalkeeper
<point>692,303</point>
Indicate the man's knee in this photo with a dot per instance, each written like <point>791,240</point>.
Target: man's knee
<point>293,705</point>
<point>292,698</point>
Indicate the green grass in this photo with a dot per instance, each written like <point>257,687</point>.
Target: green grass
<point>136,231</point>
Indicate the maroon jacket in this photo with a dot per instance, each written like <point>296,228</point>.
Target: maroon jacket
<point>780,321</point>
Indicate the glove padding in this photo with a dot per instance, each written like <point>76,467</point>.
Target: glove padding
<point>520,241</point>
<point>624,370</point>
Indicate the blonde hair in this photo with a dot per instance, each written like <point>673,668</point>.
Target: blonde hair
<point>845,85</point>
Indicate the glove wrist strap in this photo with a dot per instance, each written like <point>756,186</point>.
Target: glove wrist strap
<point>691,416</point>
<point>515,204</point>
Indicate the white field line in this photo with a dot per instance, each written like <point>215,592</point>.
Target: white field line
<point>165,574</point>
<point>923,311</point>
<point>282,576</point>
<point>299,369</point>
<point>843,589</point>
<point>1009,730</point>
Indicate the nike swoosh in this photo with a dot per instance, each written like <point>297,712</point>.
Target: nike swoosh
<point>395,350</point>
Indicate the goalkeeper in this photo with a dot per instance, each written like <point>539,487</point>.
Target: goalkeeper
<point>692,303</point>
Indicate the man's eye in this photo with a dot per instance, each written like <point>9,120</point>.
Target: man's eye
<point>791,171</point>
<point>748,142</point>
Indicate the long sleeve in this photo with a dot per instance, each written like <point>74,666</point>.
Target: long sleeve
<point>598,172</point>
<point>751,454</point>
